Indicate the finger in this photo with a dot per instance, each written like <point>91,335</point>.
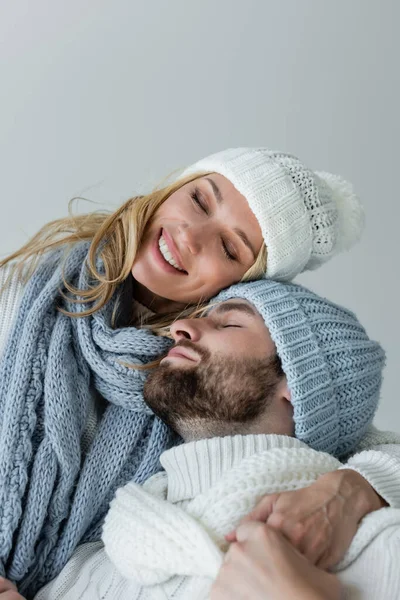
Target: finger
<point>258,542</point>
<point>220,591</point>
<point>287,515</point>
<point>342,539</point>
<point>292,530</point>
<point>231,587</point>
<point>317,540</point>
<point>331,557</point>
<point>6,585</point>
<point>263,510</point>
<point>320,536</point>
<point>311,538</point>
<point>10,595</point>
<point>231,536</point>
<point>311,542</point>
<point>326,561</point>
<point>247,530</point>
<point>314,548</point>
<point>231,576</point>
<point>243,573</point>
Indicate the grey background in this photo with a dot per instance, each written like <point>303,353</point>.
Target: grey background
<point>103,99</point>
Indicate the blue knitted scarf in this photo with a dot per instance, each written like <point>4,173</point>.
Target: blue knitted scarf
<point>53,495</point>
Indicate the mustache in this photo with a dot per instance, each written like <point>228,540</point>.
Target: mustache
<point>202,352</point>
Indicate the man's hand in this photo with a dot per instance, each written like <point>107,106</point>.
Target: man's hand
<point>8,591</point>
<point>322,519</point>
<point>263,565</point>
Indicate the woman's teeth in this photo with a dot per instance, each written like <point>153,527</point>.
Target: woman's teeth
<point>167,254</point>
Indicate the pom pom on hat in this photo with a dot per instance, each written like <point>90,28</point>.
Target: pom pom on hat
<point>305,217</point>
<point>351,216</point>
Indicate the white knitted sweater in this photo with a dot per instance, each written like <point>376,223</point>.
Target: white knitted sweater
<point>166,539</point>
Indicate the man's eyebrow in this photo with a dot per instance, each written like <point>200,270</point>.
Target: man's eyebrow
<point>239,232</point>
<point>237,306</point>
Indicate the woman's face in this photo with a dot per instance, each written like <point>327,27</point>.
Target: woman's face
<point>203,238</point>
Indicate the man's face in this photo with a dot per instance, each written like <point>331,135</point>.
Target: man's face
<point>223,368</point>
<point>232,329</point>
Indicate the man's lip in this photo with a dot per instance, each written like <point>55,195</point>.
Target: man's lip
<point>172,248</point>
<point>183,353</point>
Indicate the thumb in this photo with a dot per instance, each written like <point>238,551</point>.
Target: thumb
<point>246,530</point>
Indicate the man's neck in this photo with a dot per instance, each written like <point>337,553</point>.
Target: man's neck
<point>192,468</point>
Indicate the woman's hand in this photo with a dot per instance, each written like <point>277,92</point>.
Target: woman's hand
<point>322,519</point>
<point>263,565</point>
<point>8,591</point>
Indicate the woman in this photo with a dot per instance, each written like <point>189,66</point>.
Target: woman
<point>73,425</point>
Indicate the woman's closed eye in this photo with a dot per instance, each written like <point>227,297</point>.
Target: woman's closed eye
<point>228,250</point>
<point>199,201</point>
<point>201,204</point>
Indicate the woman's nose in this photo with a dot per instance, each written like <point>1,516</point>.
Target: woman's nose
<point>193,236</point>
<point>187,329</point>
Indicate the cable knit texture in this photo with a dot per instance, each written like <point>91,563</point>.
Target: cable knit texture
<point>305,217</point>
<point>159,548</point>
<point>53,495</point>
<point>333,369</point>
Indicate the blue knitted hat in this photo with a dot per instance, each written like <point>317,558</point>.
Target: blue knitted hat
<point>333,369</point>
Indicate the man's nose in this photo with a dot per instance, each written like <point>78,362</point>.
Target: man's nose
<point>187,329</point>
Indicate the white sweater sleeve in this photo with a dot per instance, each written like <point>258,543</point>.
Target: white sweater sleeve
<point>11,290</point>
<point>375,572</point>
<point>377,459</point>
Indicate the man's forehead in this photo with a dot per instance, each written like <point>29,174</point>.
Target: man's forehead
<point>236,304</point>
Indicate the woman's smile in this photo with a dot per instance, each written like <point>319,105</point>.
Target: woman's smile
<point>166,255</point>
<point>170,251</point>
<point>194,236</point>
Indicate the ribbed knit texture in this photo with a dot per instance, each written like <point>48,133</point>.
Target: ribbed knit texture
<point>378,461</point>
<point>10,298</point>
<point>53,496</point>
<point>373,573</point>
<point>159,549</point>
<point>333,369</point>
<point>195,467</point>
<point>306,217</point>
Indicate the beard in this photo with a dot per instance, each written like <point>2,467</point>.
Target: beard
<point>220,389</point>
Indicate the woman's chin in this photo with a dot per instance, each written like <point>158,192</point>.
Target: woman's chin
<point>154,300</point>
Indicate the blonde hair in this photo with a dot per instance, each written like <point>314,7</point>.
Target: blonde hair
<point>115,238</point>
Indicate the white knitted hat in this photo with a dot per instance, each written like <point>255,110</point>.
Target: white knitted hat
<point>306,217</point>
